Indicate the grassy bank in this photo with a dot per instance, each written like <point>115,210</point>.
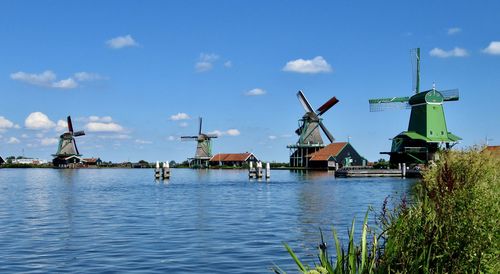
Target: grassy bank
<point>452,225</point>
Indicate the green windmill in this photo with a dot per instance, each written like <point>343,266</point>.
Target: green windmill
<point>427,131</point>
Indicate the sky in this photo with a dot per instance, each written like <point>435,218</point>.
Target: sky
<point>136,75</point>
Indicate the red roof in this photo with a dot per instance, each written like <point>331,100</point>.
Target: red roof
<point>91,160</point>
<point>230,157</point>
<point>493,150</point>
<point>331,150</point>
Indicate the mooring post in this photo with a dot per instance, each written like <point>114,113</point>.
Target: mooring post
<point>268,170</point>
<point>251,170</point>
<point>336,166</point>
<point>399,166</point>
<point>166,170</point>
<point>157,170</point>
<point>403,170</point>
<point>259,169</point>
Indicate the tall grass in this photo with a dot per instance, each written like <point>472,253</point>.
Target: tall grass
<point>451,226</point>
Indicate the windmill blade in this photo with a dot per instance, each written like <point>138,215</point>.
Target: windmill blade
<point>382,104</point>
<point>450,94</point>
<point>79,133</point>
<point>189,138</point>
<point>201,121</point>
<point>326,106</point>
<point>212,135</point>
<point>70,124</point>
<point>327,133</point>
<point>305,104</point>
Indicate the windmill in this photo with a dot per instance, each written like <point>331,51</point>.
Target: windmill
<point>67,151</point>
<point>203,147</point>
<point>427,132</point>
<point>309,131</point>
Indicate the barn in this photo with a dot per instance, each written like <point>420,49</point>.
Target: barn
<point>232,159</point>
<point>335,154</point>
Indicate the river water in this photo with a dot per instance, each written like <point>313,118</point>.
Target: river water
<point>215,221</point>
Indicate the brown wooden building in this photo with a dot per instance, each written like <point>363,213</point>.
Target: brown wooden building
<point>340,154</point>
<point>232,159</point>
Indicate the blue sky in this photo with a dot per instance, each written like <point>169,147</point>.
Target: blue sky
<point>125,70</point>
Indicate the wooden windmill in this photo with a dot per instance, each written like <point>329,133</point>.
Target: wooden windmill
<point>203,147</point>
<point>427,131</point>
<point>309,133</point>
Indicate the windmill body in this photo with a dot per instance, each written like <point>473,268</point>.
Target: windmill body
<point>309,132</point>
<point>427,131</point>
<point>67,151</point>
<point>203,147</point>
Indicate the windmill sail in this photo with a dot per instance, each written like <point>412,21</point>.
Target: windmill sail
<point>450,94</point>
<point>382,104</point>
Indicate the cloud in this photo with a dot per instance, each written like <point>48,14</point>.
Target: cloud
<point>49,141</point>
<point>61,125</point>
<point>104,119</point>
<point>179,116</point>
<point>139,141</point>
<point>5,124</point>
<point>121,42</point>
<point>183,124</point>
<point>13,140</point>
<point>172,138</point>
<point>255,92</point>
<point>456,52</point>
<point>116,136</point>
<point>230,132</point>
<point>25,136</point>
<point>452,31</point>
<point>228,64</point>
<point>272,137</point>
<point>316,65</point>
<point>49,79</point>
<point>87,76</point>
<point>103,127</point>
<point>493,48</point>
<point>37,121</point>
<point>65,84</point>
<point>206,62</point>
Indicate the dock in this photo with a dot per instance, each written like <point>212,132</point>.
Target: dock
<point>360,171</point>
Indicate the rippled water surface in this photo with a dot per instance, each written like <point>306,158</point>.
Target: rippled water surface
<point>217,221</point>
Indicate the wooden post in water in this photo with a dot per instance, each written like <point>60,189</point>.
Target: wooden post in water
<point>336,166</point>
<point>268,170</point>
<point>157,170</point>
<point>166,171</point>
<point>259,170</point>
<point>403,170</point>
<point>251,170</point>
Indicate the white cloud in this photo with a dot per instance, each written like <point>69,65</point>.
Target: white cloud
<point>103,127</point>
<point>255,92</point>
<point>171,138</point>
<point>13,140</point>
<point>233,132</point>
<point>5,124</point>
<point>38,120</point>
<point>24,136</point>
<point>61,126</point>
<point>493,48</point>
<point>316,65</point>
<point>452,31</point>
<point>116,137</point>
<point>228,64</point>
<point>272,137</point>
<point>139,141</point>
<point>121,42</point>
<point>179,116</point>
<point>104,119</point>
<point>49,141</point>
<point>87,76</point>
<point>65,84</point>
<point>183,124</point>
<point>456,52</point>
<point>230,132</point>
<point>43,79</point>
<point>205,62</point>
<point>49,79</point>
